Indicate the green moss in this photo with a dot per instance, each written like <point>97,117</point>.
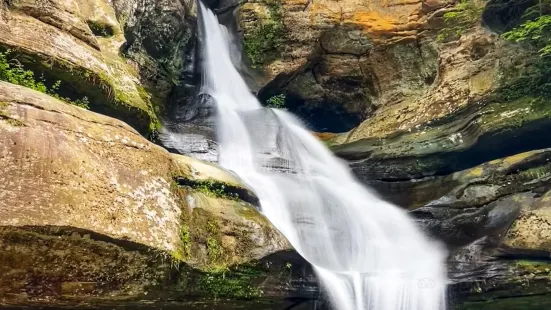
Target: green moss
<point>6,118</point>
<point>535,173</point>
<point>500,116</point>
<point>156,107</point>
<point>329,143</point>
<point>535,267</point>
<point>124,101</point>
<point>184,251</point>
<point>465,14</point>
<point>184,237</point>
<point>237,282</point>
<point>538,302</point>
<point>14,122</point>
<point>101,29</point>
<point>264,41</point>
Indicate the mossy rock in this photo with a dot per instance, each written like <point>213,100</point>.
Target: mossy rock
<point>89,67</point>
<point>88,191</point>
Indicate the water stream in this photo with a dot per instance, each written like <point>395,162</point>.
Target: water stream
<point>367,253</point>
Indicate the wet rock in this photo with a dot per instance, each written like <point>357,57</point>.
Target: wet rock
<point>160,38</point>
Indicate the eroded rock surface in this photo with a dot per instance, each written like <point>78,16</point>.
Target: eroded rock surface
<point>438,114</point>
<point>89,208</point>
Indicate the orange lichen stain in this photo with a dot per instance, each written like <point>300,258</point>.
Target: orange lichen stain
<point>324,135</point>
<point>373,21</point>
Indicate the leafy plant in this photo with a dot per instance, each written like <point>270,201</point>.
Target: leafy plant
<point>236,282</point>
<point>464,15</point>
<point>186,240</point>
<point>213,249</point>
<point>536,30</point>
<point>12,71</point>
<point>264,42</point>
<point>276,102</point>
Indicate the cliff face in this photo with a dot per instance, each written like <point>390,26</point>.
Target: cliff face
<point>93,213</point>
<point>124,56</point>
<point>89,209</point>
<point>425,99</point>
<point>431,106</point>
<point>389,66</point>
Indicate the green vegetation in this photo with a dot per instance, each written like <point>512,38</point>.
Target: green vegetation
<point>276,102</point>
<point>535,173</point>
<point>529,109</point>
<point>536,29</point>
<point>264,41</point>
<point>465,14</point>
<point>535,267</point>
<point>534,83</point>
<point>12,71</point>
<point>100,29</point>
<point>211,188</point>
<point>185,239</point>
<point>236,282</point>
<point>214,251</point>
<point>215,189</point>
<point>329,143</point>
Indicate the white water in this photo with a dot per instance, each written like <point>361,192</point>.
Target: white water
<point>367,253</point>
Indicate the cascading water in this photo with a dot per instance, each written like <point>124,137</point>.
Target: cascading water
<point>367,253</point>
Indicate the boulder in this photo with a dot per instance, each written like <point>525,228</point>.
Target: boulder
<point>90,210</point>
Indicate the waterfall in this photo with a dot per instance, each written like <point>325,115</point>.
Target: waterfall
<point>367,253</point>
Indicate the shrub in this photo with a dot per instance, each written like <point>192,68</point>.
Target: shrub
<point>536,29</point>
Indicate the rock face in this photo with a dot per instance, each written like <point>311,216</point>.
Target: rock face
<point>160,35</point>
<point>89,208</point>
<point>434,110</point>
<point>341,61</point>
<point>391,65</point>
<point>531,231</point>
<point>125,56</point>
<point>55,38</point>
